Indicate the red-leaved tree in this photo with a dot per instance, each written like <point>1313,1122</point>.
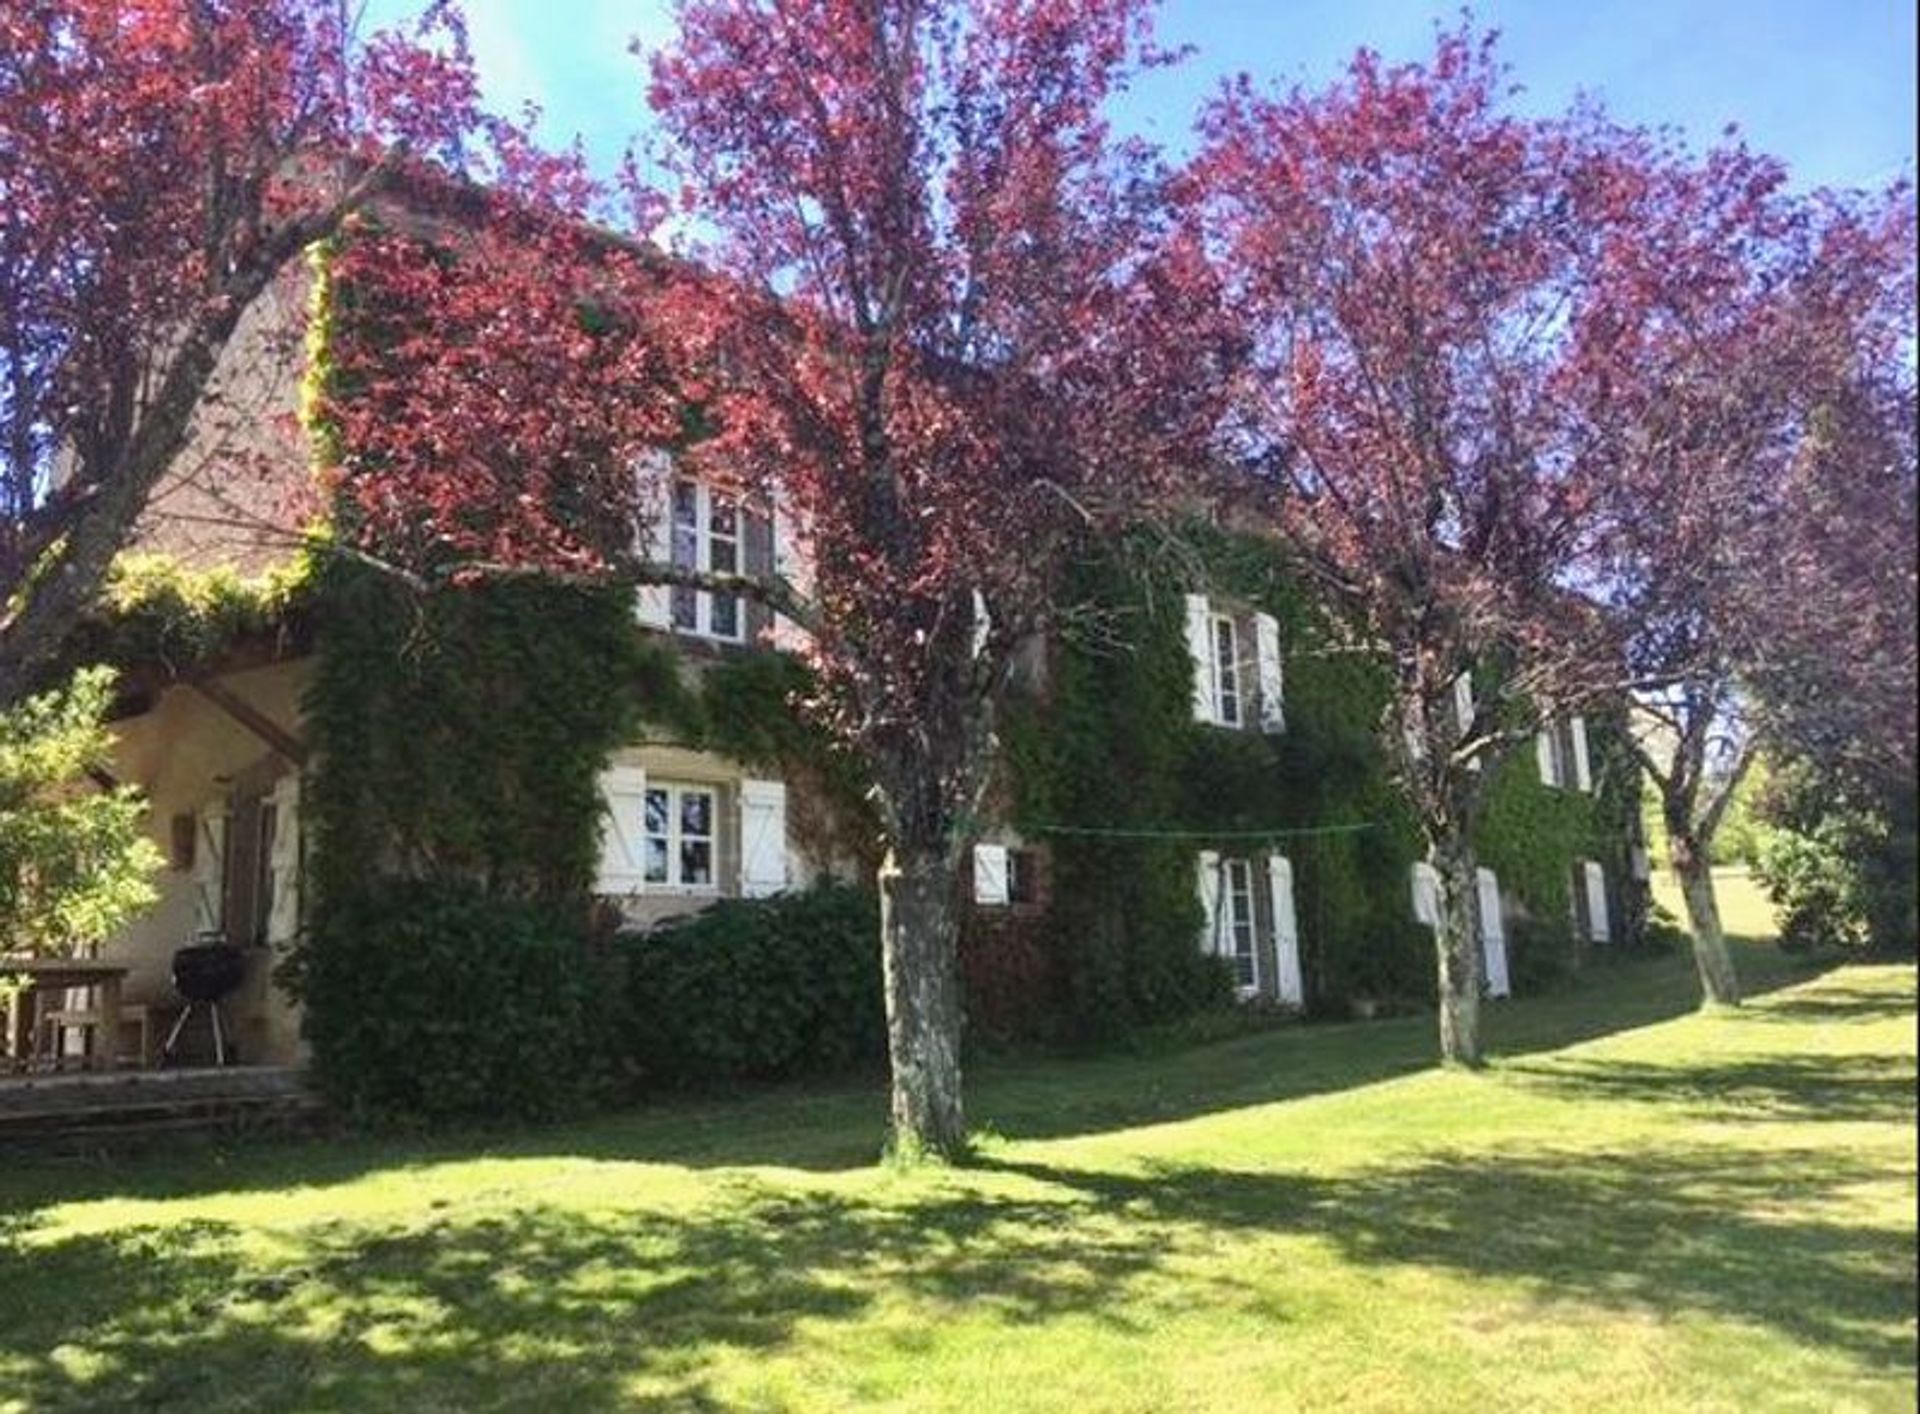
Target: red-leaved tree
<point>959,333</point>
<point>939,318</point>
<point>1415,266</point>
<point>162,162</point>
<point>1759,461</point>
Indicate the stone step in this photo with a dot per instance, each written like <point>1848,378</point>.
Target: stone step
<point>59,1113</point>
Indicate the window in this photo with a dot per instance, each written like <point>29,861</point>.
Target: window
<point>706,536</point>
<point>1241,928</point>
<point>679,836</point>
<point>1023,876</point>
<point>1226,671</point>
<point>1563,755</point>
<point>1003,876</point>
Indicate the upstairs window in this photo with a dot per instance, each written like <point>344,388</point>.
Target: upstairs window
<point>706,537</point>
<point>1226,671</point>
<point>1237,676</point>
<point>1564,761</point>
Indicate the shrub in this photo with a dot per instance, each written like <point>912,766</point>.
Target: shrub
<point>438,1001</point>
<point>1818,891</point>
<point>757,990</point>
<point>1841,862</point>
<point>1388,966</point>
<point>1663,932</point>
<point>74,861</point>
<point>1540,955</point>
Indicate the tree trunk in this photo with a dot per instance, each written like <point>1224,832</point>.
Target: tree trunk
<point>1458,941</point>
<point>1691,870</point>
<point>919,930</point>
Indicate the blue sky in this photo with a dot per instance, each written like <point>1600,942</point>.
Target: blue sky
<point>1828,85</point>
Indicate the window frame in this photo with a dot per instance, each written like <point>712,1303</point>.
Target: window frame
<point>704,601</point>
<point>1236,879</point>
<point>1227,687</point>
<point>676,837</point>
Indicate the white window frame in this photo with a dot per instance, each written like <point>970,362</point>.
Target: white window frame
<point>704,538</point>
<point>1236,892</point>
<point>1227,687</point>
<point>676,792</point>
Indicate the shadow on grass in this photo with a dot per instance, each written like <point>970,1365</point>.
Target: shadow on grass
<point>545,1308</point>
<point>1666,1231</point>
<point>1773,1088</point>
<point>838,1126</point>
<point>1838,1003</point>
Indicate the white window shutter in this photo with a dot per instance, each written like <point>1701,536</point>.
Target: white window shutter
<point>1200,649</point>
<point>1582,765</point>
<point>982,623</point>
<point>1599,926</point>
<point>653,479</point>
<point>763,838</point>
<point>1286,931</point>
<point>1273,693</point>
<point>1549,768</point>
<point>1493,933</point>
<point>209,869</point>
<point>623,835</point>
<point>1639,865</point>
<point>1210,886</point>
<point>990,875</point>
<point>283,923</point>
<point>1463,710</point>
<point>1426,893</point>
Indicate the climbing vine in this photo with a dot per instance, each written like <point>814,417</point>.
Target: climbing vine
<point>1112,744</point>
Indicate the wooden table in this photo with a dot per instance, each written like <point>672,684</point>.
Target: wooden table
<point>48,974</point>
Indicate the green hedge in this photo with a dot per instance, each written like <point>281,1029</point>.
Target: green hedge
<point>439,1001</point>
<point>756,990</point>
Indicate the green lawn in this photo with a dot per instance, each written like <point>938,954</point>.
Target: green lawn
<point>1745,909</point>
<point>1635,1208</point>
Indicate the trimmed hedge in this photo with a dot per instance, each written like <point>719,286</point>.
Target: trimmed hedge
<point>438,1001</point>
<point>757,990</point>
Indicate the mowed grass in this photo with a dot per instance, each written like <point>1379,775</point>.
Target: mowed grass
<point>1636,1207</point>
<point>1745,909</point>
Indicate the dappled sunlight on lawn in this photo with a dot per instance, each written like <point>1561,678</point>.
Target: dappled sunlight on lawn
<point>1660,1218</point>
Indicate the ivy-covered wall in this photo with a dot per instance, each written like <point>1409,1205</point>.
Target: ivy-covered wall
<point>1110,770</point>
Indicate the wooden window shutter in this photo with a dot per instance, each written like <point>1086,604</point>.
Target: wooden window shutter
<point>1271,672</point>
<point>1599,925</point>
<point>1463,711</point>
<point>623,837</point>
<point>763,838</point>
<point>653,477</point>
<point>1549,760</point>
<point>1288,985</point>
<point>1200,649</point>
<point>1493,933</point>
<point>757,558</point>
<point>283,921</point>
<point>1426,893</point>
<point>1582,764</point>
<point>1210,882</point>
<point>990,875</point>
<point>210,869</point>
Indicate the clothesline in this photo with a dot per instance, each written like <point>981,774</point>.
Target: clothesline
<point>1110,832</point>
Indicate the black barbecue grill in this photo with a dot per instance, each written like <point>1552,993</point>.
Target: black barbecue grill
<point>204,974</point>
